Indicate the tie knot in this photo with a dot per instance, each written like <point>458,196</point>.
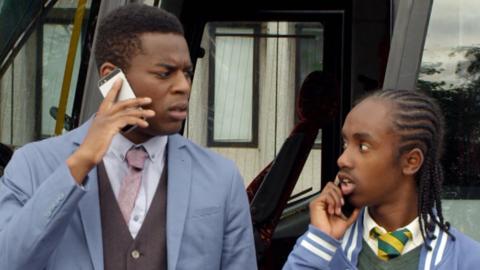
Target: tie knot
<point>390,244</point>
<point>136,157</point>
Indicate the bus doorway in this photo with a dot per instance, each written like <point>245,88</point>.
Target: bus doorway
<point>250,60</point>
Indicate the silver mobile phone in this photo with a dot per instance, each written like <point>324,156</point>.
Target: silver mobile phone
<point>105,85</point>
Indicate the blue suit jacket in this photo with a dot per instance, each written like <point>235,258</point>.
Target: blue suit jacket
<point>47,221</point>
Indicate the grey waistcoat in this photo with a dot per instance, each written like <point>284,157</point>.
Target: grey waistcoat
<point>120,251</point>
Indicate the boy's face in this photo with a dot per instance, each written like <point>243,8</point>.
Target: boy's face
<point>369,159</point>
<point>162,71</point>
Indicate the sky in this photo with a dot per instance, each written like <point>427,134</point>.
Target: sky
<point>453,24</point>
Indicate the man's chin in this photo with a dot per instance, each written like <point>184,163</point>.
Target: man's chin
<point>162,131</point>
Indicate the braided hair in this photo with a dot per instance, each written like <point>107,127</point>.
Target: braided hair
<point>418,121</point>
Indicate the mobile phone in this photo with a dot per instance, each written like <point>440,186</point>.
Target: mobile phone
<point>347,207</point>
<point>105,85</point>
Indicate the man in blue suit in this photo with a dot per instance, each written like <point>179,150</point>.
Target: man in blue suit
<point>67,202</point>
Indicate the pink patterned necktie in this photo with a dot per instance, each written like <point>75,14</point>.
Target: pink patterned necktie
<point>132,181</point>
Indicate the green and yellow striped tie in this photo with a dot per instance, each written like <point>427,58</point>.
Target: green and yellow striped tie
<point>390,244</point>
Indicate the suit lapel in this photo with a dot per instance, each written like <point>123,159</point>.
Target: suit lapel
<point>89,206</point>
<point>91,221</point>
<point>178,196</point>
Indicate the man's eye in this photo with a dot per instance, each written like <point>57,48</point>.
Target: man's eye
<point>162,75</point>
<point>344,145</point>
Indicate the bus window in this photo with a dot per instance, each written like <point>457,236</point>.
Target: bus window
<point>30,88</point>
<point>450,70</point>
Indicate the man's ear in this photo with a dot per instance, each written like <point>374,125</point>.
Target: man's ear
<point>106,68</point>
<point>412,161</point>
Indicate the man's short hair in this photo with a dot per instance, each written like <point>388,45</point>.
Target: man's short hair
<point>118,37</point>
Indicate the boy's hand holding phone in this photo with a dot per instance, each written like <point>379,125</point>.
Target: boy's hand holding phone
<point>326,211</point>
<point>109,120</point>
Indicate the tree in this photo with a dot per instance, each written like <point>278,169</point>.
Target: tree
<point>460,103</point>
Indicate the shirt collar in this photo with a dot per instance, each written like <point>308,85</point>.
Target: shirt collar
<point>155,146</point>
<point>413,227</point>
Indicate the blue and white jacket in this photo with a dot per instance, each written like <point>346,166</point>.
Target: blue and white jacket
<point>317,250</point>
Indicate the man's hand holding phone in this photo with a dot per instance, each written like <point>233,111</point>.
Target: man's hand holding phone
<point>112,116</point>
<point>126,91</point>
<point>326,211</point>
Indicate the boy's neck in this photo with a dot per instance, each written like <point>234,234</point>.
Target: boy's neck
<point>393,216</point>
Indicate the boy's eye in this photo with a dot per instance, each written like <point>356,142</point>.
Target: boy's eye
<point>188,75</point>
<point>363,147</point>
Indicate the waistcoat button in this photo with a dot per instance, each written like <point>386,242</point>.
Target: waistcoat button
<point>135,254</point>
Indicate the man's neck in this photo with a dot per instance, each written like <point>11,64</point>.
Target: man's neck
<point>137,137</point>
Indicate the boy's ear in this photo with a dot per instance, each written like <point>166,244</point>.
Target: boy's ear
<point>412,161</point>
<point>106,68</point>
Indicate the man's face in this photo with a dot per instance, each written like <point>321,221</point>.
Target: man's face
<point>162,71</point>
<point>369,168</point>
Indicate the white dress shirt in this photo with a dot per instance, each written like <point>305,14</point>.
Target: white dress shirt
<point>116,167</point>
<point>369,224</point>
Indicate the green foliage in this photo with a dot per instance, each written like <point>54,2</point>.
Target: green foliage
<point>461,106</point>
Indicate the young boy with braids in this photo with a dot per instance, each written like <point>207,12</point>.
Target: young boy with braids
<point>390,172</point>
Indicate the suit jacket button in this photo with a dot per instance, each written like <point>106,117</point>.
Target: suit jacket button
<point>135,254</point>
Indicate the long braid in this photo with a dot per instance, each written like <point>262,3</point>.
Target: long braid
<point>419,122</point>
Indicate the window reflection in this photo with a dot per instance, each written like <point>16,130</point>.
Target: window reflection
<point>450,71</point>
<point>309,56</point>
<point>56,38</point>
